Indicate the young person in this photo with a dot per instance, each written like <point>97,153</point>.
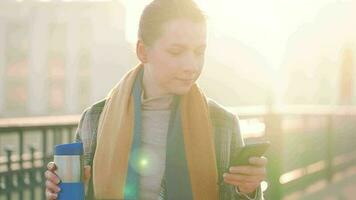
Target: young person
<point>156,135</point>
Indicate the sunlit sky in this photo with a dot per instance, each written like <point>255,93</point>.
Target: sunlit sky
<point>274,36</point>
<point>263,25</point>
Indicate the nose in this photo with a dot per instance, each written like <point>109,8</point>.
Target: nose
<point>190,64</point>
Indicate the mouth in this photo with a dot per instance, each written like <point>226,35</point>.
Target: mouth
<point>185,81</point>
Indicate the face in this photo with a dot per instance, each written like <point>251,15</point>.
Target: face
<point>175,60</point>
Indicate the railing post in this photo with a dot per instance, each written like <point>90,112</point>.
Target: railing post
<point>44,146</point>
<point>330,148</point>
<point>8,176</point>
<point>32,173</point>
<point>275,155</point>
<point>20,173</point>
<point>57,136</point>
<point>44,161</point>
<point>70,134</point>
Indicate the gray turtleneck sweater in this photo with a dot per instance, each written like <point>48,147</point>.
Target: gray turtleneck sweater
<point>155,122</point>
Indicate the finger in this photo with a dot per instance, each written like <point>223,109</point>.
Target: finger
<point>51,176</point>
<point>244,187</point>
<point>51,166</point>
<point>248,170</point>
<point>247,188</point>
<point>232,182</point>
<point>87,173</point>
<point>244,178</point>
<point>258,161</point>
<point>52,187</point>
<point>50,195</point>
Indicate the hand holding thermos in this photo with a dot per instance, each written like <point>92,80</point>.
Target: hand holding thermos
<point>66,177</point>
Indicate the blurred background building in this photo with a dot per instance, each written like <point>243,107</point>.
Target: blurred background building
<point>58,57</point>
<point>318,58</point>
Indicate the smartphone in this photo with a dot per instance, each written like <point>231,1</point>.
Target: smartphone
<point>242,156</point>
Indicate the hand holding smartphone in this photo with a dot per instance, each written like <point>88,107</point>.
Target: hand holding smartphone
<point>242,156</point>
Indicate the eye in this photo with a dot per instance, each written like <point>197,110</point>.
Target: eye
<point>175,52</point>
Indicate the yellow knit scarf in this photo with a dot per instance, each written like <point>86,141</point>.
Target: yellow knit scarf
<point>115,134</point>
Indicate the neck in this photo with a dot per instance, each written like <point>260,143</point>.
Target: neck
<point>151,87</point>
<point>154,97</point>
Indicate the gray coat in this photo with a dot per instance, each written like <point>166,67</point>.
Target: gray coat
<point>227,139</point>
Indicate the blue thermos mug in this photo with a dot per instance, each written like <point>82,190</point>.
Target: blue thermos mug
<point>69,161</point>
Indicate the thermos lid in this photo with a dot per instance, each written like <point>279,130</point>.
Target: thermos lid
<point>69,149</point>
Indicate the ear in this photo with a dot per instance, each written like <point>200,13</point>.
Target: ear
<point>141,51</point>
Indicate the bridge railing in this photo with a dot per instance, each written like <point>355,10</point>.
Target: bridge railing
<point>26,145</point>
<point>311,147</point>
<point>310,144</point>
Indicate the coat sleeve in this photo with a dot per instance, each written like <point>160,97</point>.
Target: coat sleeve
<point>84,134</point>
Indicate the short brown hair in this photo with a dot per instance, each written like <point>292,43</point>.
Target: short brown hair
<point>159,12</point>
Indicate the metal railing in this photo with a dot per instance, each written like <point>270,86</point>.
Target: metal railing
<point>310,144</point>
<point>22,163</point>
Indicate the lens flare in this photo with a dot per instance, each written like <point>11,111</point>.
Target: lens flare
<point>143,162</point>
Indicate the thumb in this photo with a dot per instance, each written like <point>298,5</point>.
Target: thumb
<point>87,173</point>
<point>51,166</point>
